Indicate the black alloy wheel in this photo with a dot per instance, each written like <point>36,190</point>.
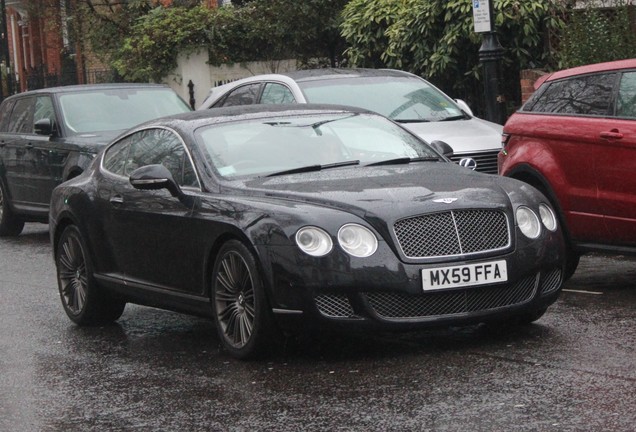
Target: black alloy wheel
<point>241,311</point>
<point>10,224</point>
<point>84,302</point>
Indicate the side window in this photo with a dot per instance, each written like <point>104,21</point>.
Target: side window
<point>43,109</point>
<point>5,115</point>
<point>584,95</point>
<point>161,146</point>
<point>244,95</point>
<point>626,102</point>
<point>116,156</point>
<point>277,94</point>
<point>21,120</point>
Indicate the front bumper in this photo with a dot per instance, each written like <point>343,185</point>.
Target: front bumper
<point>382,291</point>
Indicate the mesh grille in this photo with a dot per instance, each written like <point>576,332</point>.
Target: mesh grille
<point>334,306</point>
<point>551,281</point>
<point>395,305</point>
<point>486,161</point>
<point>452,233</point>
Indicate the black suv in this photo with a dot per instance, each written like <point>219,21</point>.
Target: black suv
<point>49,136</point>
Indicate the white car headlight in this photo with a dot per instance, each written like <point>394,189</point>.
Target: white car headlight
<point>528,222</point>
<point>357,240</point>
<point>547,217</point>
<point>314,241</point>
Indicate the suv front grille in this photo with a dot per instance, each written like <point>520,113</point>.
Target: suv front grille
<point>452,233</point>
<point>486,161</point>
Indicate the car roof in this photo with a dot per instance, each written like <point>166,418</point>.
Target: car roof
<point>88,87</point>
<point>314,74</point>
<point>232,113</point>
<point>587,69</point>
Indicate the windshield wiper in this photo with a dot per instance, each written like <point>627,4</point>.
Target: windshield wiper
<point>411,121</point>
<point>404,160</point>
<point>457,117</point>
<point>316,167</point>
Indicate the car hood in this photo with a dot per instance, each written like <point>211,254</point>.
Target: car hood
<point>95,141</point>
<point>464,136</point>
<point>387,193</point>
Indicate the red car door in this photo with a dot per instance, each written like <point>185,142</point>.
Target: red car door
<point>616,165</point>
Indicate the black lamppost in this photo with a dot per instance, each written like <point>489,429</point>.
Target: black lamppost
<point>4,50</point>
<point>490,55</point>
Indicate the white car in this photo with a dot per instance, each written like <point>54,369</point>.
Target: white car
<point>401,96</point>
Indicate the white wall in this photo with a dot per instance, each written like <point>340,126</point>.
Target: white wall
<point>194,67</point>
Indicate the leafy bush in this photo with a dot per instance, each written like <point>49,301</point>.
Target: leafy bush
<point>436,39</point>
<point>596,35</point>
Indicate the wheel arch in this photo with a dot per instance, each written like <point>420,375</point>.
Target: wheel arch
<point>534,178</point>
<point>214,251</point>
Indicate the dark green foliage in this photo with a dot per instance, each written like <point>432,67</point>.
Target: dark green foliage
<point>598,35</point>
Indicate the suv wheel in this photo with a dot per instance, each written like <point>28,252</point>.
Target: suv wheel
<point>10,224</point>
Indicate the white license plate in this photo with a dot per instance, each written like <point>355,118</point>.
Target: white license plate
<point>464,275</point>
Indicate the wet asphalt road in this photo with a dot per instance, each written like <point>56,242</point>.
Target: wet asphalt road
<point>574,370</point>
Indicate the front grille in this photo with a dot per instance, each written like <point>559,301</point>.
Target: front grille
<point>452,233</point>
<point>486,161</point>
<point>551,281</point>
<point>443,303</point>
<point>334,306</point>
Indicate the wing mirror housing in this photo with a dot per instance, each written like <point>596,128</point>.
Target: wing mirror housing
<point>44,127</point>
<point>464,106</point>
<point>155,177</point>
<point>442,148</point>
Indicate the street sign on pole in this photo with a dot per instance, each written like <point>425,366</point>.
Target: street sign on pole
<point>481,16</point>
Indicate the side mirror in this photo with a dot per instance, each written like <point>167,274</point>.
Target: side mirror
<point>43,127</point>
<point>464,106</point>
<point>154,177</point>
<point>442,148</point>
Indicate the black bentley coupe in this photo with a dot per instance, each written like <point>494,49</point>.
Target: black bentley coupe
<point>265,218</point>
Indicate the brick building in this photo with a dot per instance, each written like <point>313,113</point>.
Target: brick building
<point>37,46</point>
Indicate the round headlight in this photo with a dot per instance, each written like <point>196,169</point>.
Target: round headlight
<point>314,241</point>
<point>528,222</point>
<point>547,217</point>
<point>357,240</point>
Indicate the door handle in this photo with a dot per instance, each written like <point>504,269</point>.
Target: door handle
<point>117,200</point>
<point>614,134</point>
<point>29,146</point>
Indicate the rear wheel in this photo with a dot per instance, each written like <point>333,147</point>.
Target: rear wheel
<point>241,311</point>
<point>10,224</point>
<point>84,302</point>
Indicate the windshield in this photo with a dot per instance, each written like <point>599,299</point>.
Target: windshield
<point>399,98</point>
<point>87,112</point>
<point>281,144</point>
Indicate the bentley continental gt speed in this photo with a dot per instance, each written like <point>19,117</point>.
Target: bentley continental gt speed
<point>269,218</point>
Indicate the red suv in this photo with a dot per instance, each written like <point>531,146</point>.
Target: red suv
<point>575,140</point>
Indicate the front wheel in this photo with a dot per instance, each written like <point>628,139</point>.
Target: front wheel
<point>241,311</point>
<point>84,302</point>
<point>10,224</point>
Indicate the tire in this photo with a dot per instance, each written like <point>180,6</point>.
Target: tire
<point>83,300</point>
<point>10,224</point>
<point>571,263</point>
<point>241,311</point>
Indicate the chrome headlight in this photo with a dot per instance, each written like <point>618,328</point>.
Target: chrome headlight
<point>528,222</point>
<point>357,240</point>
<point>314,241</point>
<point>547,217</point>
